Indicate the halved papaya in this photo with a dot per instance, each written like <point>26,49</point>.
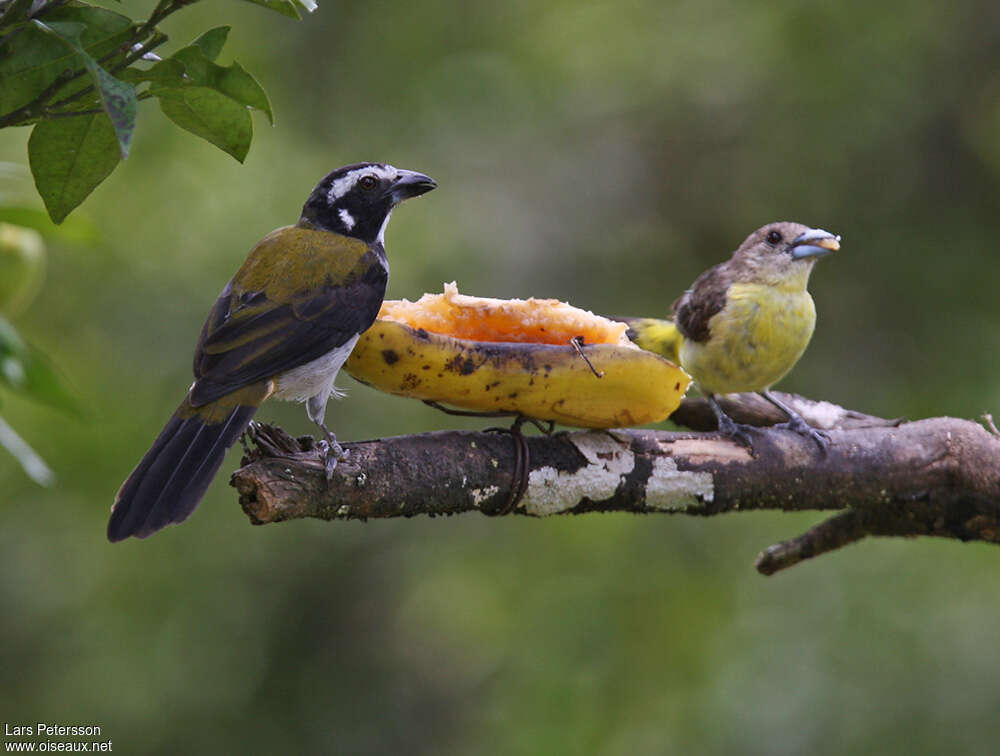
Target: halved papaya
<point>517,356</point>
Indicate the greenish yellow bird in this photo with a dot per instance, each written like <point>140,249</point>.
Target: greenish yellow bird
<point>282,327</point>
<point>744,323</point>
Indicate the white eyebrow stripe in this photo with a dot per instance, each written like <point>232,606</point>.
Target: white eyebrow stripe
<point>346,218</point>
<point>345,183</point>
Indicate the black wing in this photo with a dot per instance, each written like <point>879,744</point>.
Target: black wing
<point>248,337</point>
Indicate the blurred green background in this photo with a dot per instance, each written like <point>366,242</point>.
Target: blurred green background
<point>603,153</point>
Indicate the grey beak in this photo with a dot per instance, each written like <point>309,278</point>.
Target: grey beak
<point>409,184</point>
<point>814,243</point>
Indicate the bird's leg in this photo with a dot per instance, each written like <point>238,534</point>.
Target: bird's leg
<point>332,451</point>
<point>798,423</point>
<point>248,436</point>
<point>729,427</point>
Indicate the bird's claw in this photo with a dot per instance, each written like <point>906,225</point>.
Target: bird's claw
<point>797,424</point>
<point>736,432</point>
<point>333,454</point>
<point>248,436</point>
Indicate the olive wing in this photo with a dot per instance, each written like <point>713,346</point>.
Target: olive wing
<point>250,336</point>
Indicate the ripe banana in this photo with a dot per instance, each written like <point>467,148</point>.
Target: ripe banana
<point>516,356</point>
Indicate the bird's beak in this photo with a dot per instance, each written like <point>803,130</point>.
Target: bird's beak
<point>409,184</point>
<point>814,243</point>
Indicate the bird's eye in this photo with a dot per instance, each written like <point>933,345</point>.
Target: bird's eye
<point>773,237</point>
<point>367,182</point>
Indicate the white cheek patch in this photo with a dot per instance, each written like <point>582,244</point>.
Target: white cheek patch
<point>346,218</point>
<point>381,232</point>
<point>345,183</point>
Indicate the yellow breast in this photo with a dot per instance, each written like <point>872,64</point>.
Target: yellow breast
<point>755,339</point>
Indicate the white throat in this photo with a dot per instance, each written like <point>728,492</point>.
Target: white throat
<point>381,232</point>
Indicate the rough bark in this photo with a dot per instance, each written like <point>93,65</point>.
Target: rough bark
<point>939,476</point>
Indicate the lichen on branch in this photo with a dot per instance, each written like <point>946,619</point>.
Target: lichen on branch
<point>939,476</point>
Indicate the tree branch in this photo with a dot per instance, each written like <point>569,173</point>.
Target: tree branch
<point>939,476</point>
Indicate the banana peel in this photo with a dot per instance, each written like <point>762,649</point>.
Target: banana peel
<point>516,356</point>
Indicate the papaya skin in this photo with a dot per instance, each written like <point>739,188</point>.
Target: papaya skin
<point>540,381</point>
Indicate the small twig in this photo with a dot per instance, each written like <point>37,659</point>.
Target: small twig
<point>31,111</point>
<point>163,9</point>
<point>90,111</point>
<point>158,39</point>
<point>519,419</point>
<point>829,535</point>
<point>465,413</point>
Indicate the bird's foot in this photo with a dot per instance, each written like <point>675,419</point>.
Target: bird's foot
<point>333,453</point>
<point>731,429</point>
<point>797,424</point>
<point>737,432</point>
<point>249,436</point>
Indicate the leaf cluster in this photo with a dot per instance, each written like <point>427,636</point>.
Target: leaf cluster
<point>76,73</point>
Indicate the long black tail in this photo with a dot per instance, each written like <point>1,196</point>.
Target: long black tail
<point>166,486</point>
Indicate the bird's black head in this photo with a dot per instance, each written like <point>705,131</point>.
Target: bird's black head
<point>356,200</point>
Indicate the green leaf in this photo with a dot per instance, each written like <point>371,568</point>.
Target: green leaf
<point>78,229</point>
<point>117,97</point>
<point>165,73</point>
<point>64,30</point>
<point>28,65</point>
<point>211,42</point>
<point>236,83</point>
<point>120,103</point>
<point>284,7</point>
<point>210,115</point>
<point>24,369</point>
<point>190,67</point>
<point>32,60</point>
<point>232,81</point>
<point>69,157</point>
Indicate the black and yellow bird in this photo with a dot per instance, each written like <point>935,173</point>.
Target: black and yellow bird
<point>282,327</point>
<point>744,323</point>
